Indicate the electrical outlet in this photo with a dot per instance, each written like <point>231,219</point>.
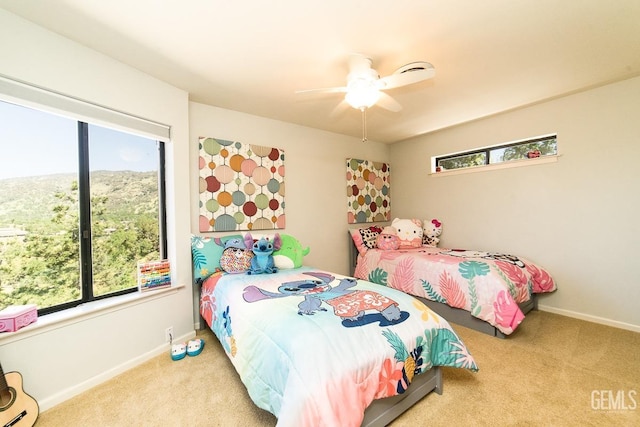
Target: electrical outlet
<point>168,334</point>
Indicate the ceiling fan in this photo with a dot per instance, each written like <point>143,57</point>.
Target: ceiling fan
<point>365,88</point>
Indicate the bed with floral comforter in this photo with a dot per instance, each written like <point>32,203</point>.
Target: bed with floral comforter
<point>490,286</point>
<point>316,348</point>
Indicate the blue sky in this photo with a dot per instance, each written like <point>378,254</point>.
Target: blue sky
<point>34,143</point>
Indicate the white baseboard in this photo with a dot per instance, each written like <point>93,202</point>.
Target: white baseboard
<point>63,395</point>
<point>589,318</point>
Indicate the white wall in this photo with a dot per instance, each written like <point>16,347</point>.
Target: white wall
<point>66,358</point>
<point>315,180</point>
<point>577,217</point>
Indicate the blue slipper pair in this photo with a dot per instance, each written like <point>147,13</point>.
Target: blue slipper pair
<point>192,348</point>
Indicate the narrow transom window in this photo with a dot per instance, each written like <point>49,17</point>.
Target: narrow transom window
<point>526,149</point>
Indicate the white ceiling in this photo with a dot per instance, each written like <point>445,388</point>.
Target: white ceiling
<point>252,55</point>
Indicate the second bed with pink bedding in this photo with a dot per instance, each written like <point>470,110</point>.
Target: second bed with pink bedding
<point>490,286</point>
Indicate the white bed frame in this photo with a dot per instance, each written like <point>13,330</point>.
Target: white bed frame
<point>451,314</point>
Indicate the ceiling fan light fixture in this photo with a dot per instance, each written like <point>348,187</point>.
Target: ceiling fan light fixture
<point>362,93</point>
<point>365,87</point>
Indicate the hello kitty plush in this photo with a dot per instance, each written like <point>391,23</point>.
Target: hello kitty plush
<point>409,232</point>
<point>431,229</point>
<point>388,239</point>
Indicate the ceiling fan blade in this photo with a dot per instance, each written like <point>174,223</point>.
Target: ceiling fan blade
<point>323,90</point>
<point>388,103</point>
<point>340,108</point>
<point>408,74</point>
<point>359,63</point>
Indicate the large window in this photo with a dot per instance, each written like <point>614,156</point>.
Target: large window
<point>80,206</point>
<point>527,149</point>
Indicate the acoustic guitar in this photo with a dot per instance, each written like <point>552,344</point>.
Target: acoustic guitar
<point>16,407</point>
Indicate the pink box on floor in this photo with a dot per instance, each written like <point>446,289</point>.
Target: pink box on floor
<point>15,317</point>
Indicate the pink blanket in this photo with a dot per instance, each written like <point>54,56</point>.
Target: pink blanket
<point>488,285</point>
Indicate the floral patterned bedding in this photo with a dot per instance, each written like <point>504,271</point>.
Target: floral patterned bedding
<point>488,285</point>
<point>316,348</point>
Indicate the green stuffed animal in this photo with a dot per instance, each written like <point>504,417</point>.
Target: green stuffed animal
<point>291,253</point>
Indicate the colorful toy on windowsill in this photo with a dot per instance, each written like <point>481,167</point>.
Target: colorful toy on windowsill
<point>533,154</point>
<point>15,317</point>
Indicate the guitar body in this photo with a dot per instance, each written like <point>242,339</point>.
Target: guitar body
<point>17,409</point>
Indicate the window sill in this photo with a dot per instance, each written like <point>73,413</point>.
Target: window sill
<point>504,165</point>
<point>84,312</point>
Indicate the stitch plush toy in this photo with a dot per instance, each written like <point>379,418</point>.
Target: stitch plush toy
<point>262,261</point>
<point>388,239</point>
<point>431,230</point>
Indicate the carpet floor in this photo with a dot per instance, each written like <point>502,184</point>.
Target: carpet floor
<point>553,371</point>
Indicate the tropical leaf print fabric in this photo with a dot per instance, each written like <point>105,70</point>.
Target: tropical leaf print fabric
<point>316,348</point>
<point>488,285</point>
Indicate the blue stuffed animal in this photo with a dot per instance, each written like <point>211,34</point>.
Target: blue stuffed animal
<point>263,249</point>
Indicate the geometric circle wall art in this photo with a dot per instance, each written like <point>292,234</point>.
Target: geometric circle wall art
<point>368,191</point>
<point>241,186</point>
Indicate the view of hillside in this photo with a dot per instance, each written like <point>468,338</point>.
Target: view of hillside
<point>125,190</point>
<point>39,234</point>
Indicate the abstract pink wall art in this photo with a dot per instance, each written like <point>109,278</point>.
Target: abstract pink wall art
<point>368,191</point>
<point>241,186</point>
